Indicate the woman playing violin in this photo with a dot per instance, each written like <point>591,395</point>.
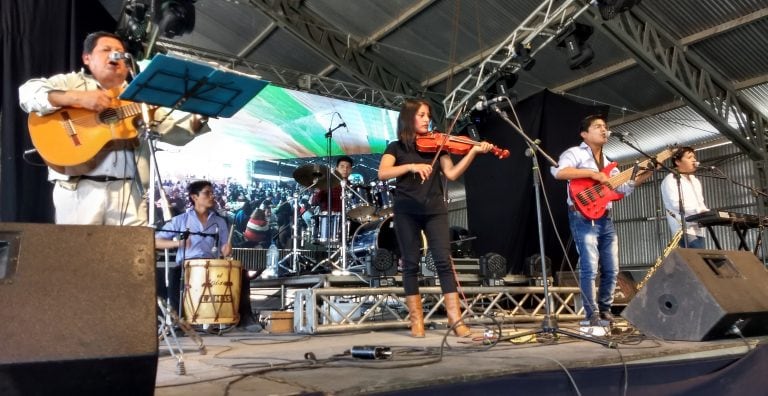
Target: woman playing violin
<point>419,206</point>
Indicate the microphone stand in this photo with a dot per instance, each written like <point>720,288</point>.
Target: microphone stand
<point>549,324</point>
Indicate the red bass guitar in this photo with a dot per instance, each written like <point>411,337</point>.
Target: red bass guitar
<point>591,198</point>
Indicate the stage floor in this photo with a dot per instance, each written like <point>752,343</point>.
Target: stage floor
<point>239,363</point>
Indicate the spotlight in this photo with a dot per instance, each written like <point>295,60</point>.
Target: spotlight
<point>133,26</point>
<point>503,86</point>
<point>574,39</point>
<point>175,17</point>
<point>493,267</point>
<point>610,8</point>
<point>382,263</point>
<point>523,56</point>
<point>533,266</point>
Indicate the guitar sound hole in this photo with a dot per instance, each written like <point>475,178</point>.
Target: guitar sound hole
<point>108,116</point>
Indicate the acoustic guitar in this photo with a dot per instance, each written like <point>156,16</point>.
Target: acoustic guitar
<point>591,198</point>
<point>71,136</point>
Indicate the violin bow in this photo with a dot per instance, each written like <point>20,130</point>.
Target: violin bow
<point>442,144</point>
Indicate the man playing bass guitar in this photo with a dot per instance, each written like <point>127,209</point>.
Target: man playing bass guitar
<point>593,232</point>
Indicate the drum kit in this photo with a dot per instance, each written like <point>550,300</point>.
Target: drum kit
<point>365,209</point>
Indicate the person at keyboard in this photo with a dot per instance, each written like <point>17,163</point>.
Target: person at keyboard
<point>685,185</point>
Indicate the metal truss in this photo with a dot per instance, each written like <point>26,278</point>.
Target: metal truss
<point>337,309</point>
<point>686,74</point>
<point>340,49</point>
<point>535,32</point>
<point>292,79</point>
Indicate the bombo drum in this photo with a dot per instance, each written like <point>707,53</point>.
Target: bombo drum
<point>212,291</point>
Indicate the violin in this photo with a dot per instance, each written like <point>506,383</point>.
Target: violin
<point>458,145</point>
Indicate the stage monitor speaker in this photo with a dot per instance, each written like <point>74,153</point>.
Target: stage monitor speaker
<point>79,310</point>
<point>698,294</point>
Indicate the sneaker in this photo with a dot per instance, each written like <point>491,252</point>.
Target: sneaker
<point>607,316</point>
<point>591,320</point>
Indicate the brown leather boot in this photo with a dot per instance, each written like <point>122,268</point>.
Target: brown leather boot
<point>416,313</point>
<point>453,310</point>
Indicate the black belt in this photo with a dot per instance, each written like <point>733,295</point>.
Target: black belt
<point>104,179</point>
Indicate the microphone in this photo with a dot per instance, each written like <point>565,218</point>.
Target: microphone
<point>343,124</point>
<point>483,104</point>
<point>115,56</point>
<point>698,166</point>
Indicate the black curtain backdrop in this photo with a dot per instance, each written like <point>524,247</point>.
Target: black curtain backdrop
<point>38,38</point>
<point>501,206</point>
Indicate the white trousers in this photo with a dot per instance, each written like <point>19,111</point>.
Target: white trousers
<point>99,203</point>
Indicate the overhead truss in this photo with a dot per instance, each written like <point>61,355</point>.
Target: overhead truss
<point>686,74</point>
<point>535,32</point>
<point>340,49</point>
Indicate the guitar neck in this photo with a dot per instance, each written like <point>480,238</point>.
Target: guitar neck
<point>624,176</point>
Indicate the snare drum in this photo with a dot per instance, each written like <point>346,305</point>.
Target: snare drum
<point>383,196</point>
<point>360,206</point>
<point>212,291</point>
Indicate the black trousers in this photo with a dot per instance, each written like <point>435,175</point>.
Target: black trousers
<point>408,229</point>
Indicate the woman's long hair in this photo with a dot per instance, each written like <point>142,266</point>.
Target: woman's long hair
<point>405,132</point>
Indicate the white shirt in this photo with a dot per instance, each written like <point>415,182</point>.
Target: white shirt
<point>693,202</point>
<point>581,157</point>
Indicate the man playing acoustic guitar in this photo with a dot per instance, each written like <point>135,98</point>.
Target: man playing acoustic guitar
<point>82,131</point>
<point>594,235</point>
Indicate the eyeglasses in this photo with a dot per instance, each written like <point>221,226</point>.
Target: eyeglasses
<point>205,192</point>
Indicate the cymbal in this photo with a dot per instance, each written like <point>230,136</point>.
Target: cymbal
<point>308,174</point>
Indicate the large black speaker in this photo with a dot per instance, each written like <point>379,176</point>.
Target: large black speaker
<point>698,294</point>
<point>78,310</point>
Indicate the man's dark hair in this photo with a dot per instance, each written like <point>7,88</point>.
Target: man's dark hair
<point>680,152</point>
<point>90,40</point>
<point>345,158</point>
<point>196,186</point>
<point>588,120</point>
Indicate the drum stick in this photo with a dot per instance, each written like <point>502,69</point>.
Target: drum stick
<point>229,238</point>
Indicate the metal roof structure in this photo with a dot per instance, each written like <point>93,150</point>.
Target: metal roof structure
<point>378,52</point>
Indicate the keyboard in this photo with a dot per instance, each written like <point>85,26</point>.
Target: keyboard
<point>718,217</point>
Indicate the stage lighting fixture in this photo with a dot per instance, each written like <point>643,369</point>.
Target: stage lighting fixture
<point>493,268</point>
<point>574,39</point>
<point>382,263</point>
<point>523,56</point>
<point>133,27</point>
<point>610,8</point>
<point>533,266</point>
<point>175,17</point>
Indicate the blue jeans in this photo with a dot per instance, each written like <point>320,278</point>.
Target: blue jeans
<point>598,248</point>
<point>696,243</point>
